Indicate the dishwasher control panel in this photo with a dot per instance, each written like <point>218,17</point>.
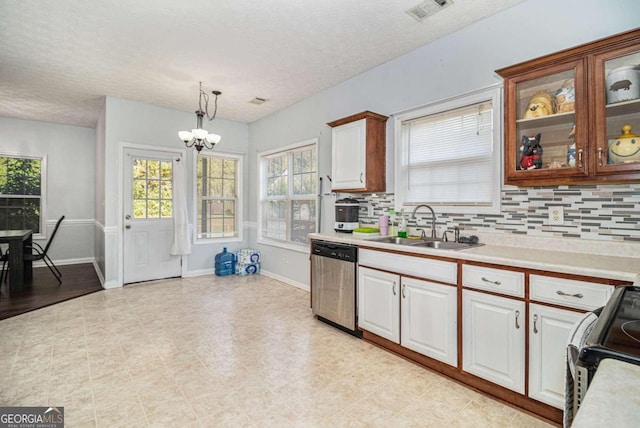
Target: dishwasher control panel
<point>348,253</point>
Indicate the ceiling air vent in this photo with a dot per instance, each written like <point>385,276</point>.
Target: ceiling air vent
<point>427,8</point>
<point>257,101</point>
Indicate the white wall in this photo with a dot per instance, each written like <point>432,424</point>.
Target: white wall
<point>70,152</point>
<point>458,63</point>
<point>99,201</point>
<point>143,124</point>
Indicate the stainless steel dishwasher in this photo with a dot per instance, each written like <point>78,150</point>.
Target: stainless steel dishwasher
<point>333,284</point>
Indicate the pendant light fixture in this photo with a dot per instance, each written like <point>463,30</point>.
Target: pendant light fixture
<point>200,138</point>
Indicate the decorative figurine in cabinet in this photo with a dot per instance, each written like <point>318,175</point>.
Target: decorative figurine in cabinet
<point>594,91</point>
<point>543,109</point>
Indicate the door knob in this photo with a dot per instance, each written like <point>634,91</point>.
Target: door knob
<point>128,226</point>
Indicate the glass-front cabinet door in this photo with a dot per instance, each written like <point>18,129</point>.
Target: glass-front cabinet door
<point>546,124</point>
<point>617,115</point>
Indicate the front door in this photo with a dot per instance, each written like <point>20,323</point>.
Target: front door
<point>148,216</point>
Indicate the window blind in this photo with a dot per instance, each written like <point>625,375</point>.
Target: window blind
<point>449,156</point>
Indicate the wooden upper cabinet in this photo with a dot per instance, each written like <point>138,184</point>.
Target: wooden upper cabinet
<point>358,153</point>
<point>573,116</point>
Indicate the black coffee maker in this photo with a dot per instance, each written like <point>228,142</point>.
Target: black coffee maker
<point>346,215</point>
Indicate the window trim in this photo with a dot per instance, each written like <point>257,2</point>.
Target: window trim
<point>239,198</point>
<point>43,234</point>
<point>289,245</point>
<point>493,93</point>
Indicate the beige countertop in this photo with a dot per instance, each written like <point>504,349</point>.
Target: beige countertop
<point>522,252</point>
<point>613,398</point>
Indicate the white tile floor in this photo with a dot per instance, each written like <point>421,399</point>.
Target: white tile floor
<point>221,352</point>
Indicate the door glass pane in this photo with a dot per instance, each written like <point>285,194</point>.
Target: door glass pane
<point>152,189</point>
<point>622,88</point>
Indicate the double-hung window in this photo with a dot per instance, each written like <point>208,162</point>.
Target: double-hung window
<point>448,154</point>
<point>22,191</point>
<point>288,194</point>
<point>218,202</point>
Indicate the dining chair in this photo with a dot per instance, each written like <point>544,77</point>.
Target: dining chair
<point>39,253</point>
<point>35,252</point>
<point>4,258</point>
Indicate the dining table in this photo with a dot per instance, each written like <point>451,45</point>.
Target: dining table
<point>19,269</point>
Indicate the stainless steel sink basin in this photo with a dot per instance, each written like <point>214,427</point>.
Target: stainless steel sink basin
<point>442,245</point>
<point>397,240</point>
<point>428,243</point>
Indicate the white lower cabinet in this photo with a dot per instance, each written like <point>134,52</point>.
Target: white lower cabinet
<point>378,303</point>
<point>549,330</point>
<point>493,337</point>
<point>429,322</point>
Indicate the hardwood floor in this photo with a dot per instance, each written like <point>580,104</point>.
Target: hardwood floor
<point>43,290</point>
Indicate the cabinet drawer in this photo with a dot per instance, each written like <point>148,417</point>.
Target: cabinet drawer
<point>569,292</point>
<point>436,270</point>
<point>497,280</point>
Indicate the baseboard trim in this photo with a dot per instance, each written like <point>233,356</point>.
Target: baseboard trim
<point>199,272</point>
<point>286,280</point>
<point>97,269</point>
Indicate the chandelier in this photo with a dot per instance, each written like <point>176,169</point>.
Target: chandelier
<point>199,137</point>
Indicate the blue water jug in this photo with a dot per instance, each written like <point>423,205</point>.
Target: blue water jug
<point>225,263</point>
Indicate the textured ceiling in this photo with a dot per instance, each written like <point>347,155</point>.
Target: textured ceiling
<point>59,58</point>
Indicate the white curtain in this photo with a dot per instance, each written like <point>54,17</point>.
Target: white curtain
<point>181,245</point>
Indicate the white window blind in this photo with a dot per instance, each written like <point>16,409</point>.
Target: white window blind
<point>448,156</point>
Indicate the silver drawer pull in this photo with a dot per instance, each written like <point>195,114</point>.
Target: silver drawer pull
<point>517,324</point>
<point>394,288</point>
<point>562,293</point>
<point>403,295</point>
<point>535,320</point>
<point>491,282</point>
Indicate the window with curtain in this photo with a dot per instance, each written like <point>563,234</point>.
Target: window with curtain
<point>449,154</point>
<point>218,196</point>
<point>288,194</point>
<point>22,193</point>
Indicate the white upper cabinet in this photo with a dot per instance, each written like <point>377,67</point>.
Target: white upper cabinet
<point>358,150</point>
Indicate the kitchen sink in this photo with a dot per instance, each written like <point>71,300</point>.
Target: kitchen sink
<point>397,240</point>
<point>444,245</point>
<point>428,243</point>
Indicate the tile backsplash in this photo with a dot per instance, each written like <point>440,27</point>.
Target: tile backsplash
<point>603,212</point>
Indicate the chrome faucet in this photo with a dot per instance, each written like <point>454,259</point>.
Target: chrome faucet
<point>433,218</point>
<point>456,231</point>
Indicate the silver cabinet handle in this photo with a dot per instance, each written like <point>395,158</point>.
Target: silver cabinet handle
<point>127,217</point>
<point>361,174</point>
<point>491,282</point>
<point>535,320</point>
<point>403,295</point>
<point>517,324</point>
<point>580,158</point>
<point>394,288</point>
<point>600,163</point>
<point>562,293</point>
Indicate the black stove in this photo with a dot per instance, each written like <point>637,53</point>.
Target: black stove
<point>616,334</point>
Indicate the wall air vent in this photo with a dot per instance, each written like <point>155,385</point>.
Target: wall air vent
<point>427,8</point>
<point>258,101</point>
